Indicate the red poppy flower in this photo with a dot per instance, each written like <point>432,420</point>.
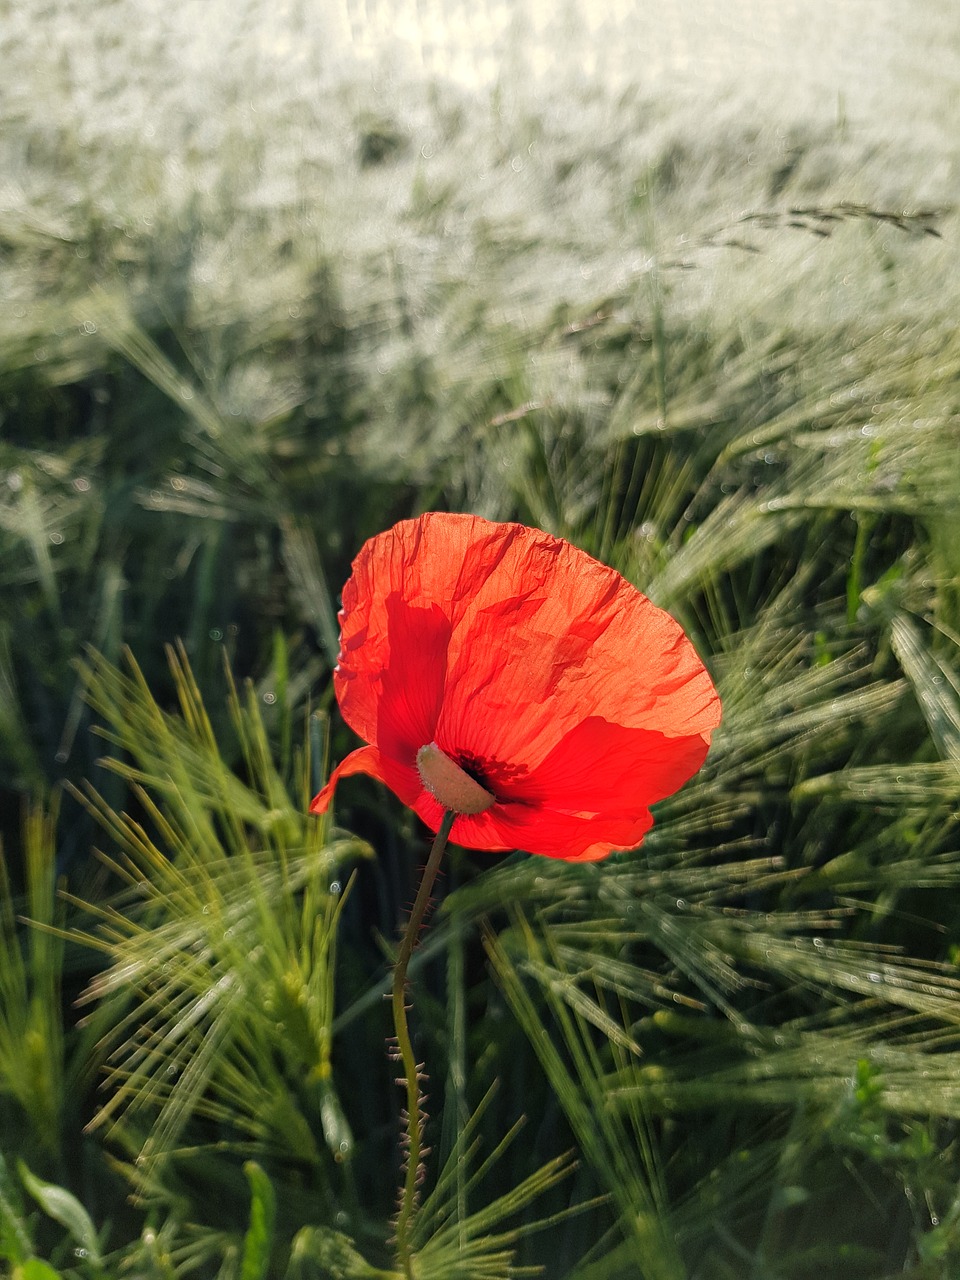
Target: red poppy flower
<point>502,673</point>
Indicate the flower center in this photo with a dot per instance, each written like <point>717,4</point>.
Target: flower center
<point>450,784</point>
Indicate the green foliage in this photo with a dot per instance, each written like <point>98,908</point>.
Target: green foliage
<point>65,1208</point>
<point>34,1081</point>
<point>257,1243</point>
<point>226,938</point>
<point>17,1238</point>
<point>724,359</point>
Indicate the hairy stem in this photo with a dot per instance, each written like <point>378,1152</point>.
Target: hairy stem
<point>414,1128</point>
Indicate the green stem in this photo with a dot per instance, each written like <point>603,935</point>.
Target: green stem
<point>414,1127</point>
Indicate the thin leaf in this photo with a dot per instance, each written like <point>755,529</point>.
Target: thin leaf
<point>258,1242</point>
<point>65,1208</point>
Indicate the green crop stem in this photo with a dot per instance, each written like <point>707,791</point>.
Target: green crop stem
<point>414,1126</point>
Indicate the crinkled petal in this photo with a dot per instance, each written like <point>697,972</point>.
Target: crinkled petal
<point>412,681</point>
<point>572,697</point>
<point>390,683</point>
<point>549,636</point>
<point>540,636</point>
<point>382,601</point>
<point>570,836</point>
<point>602,767</point>
<point>403,782</point>
<point>555,834</point>
<point>588,797</point>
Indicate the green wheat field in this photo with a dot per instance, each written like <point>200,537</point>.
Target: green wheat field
<point>679,284</point>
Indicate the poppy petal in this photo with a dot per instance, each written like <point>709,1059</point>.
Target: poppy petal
<point>602,767</point>
<point>544,634</point>
<point>404,783</point>
<point>391,672</point>
<point>541,673</point>
<point>363,760</point>
<point>413,678</point>
<point>592,790</point>
<point>573,837</point>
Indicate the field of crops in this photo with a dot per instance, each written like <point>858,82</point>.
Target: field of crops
<point>678,286</point>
